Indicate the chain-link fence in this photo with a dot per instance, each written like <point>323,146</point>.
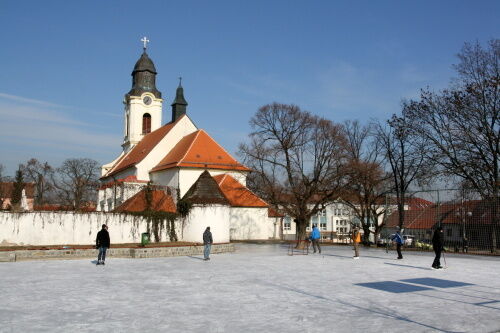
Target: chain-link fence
<point>470,223</point>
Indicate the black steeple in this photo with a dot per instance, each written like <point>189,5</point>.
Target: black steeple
<point>144,77</point>
<point>179,105</point>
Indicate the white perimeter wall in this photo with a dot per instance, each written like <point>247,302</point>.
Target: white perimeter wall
<point>250,223</point>
<point>60,228</point>
<point>200,217</point>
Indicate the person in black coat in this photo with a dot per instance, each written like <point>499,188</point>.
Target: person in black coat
<point>437,244</point>
<point>207,242</point>
<point>102,243</point>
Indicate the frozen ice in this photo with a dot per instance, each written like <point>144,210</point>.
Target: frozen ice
<point>259,288</point>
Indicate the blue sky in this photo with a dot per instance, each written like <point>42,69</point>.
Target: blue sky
<point>66,65</point>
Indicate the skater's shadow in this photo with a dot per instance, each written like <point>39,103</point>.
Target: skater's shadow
<point>94,262</point>
<point>410,266</point>
<point>195,257</point>
<point>337,255</point>
<point>367,256</point>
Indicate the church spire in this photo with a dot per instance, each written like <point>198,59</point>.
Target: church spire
<point>179,105</point>
<point>144,75</point>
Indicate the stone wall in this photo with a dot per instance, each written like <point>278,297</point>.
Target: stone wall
<point>146,252</point>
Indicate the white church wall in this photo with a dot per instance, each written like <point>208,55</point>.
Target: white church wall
<point>200,217</point>
<point>250,223</point>
<point>168,177</point>
<point>183,127</point>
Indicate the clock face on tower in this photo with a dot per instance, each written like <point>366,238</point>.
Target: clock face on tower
<point>147,100</point>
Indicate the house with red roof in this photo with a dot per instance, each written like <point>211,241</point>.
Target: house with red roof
<point>178,158</point>
<point>27,196</point>
<point>464,223</point>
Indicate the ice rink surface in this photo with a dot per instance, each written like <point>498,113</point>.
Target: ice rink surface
<point>259,288</point>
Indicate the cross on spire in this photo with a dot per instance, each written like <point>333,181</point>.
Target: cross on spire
<point>145,40</point>
<point>180,81</point>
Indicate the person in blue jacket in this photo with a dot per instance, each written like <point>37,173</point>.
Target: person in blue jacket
<point>399,241</point>
<point>315,236</point>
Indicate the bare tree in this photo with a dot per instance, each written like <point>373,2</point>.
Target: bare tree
<point>462,123</point>
<point>17,190</point>
<point>2,187</point>
<point>298,161</point>
<point>41,175</point>
<point>76,181</point>
<point>405,154</point>
<point>367,181</point>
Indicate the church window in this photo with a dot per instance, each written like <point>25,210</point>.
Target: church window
<point>146,123</point>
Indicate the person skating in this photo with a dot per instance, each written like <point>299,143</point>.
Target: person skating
<point>437,245</point>
<point>315,236</point>
<point>207,242</point>
<point>356,239</point>
<point>399,241</point>
<point>102,243</point>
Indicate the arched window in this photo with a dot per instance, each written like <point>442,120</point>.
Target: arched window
<point>146,123</point>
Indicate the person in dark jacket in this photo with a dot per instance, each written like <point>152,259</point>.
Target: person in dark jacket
<point>102,243</point>
<point>207,242</point>
<point>437,244</point>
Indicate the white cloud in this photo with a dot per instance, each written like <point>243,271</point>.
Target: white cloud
<point>29,101</point>
<point>29,125</point>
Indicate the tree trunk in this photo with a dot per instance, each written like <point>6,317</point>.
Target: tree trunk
<point>301,229</point>
<point>366,234</point>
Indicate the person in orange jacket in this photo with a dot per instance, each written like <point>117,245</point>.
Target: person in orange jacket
<point>356,239</point>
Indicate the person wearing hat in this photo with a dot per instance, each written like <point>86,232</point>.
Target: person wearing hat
<point>207,243</point>
<point>437,245</point>
<point>102,243</point>
<point>399,241</point>
<point>356,239</point>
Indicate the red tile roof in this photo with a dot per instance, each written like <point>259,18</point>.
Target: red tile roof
<point>271,212</point>
<point>199,150</point>
<point>474,211</point>
<point>160,202</point>
<point>237,194</point>
<point>128,179</point>
<point>6,189</point>
<point>142,149</point>
<point>418,203</point>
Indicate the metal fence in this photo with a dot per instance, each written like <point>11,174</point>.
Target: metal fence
<point>470,223</point>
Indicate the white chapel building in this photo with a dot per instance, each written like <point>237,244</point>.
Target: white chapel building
<point>185,162</point>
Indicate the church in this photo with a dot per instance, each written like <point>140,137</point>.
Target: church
<point>181,162</point>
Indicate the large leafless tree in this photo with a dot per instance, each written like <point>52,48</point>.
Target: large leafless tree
<point>367,181</point>
<point>462,123</point>
<point>76,181</point>
<point>404,151</point>
<point>298,160</point>
<point>41,174</point>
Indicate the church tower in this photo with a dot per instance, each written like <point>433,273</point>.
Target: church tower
<point>179,105</point>
<point>143,103</point>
